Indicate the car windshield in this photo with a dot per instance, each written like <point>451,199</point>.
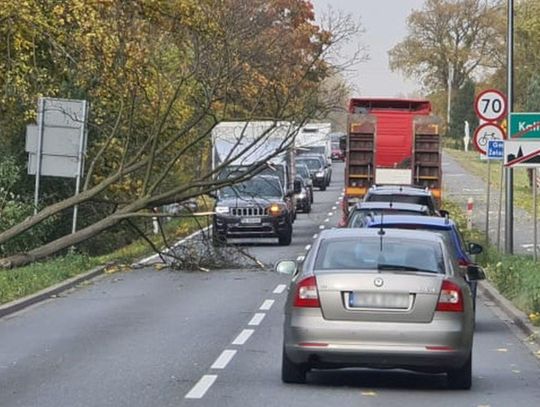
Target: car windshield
<point>312,163</point>
<point>302,171</point>
<point>254,187</point>
<point>383,254</point>
<point>358,217</point>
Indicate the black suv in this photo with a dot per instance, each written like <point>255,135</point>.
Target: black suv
<point>255,208</point>
<point>318,168</point>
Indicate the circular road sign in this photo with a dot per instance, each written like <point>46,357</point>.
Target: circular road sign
<point>490,105</point>
<point>486,132</point>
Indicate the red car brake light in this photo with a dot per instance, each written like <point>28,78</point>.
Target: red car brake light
<point>307,295</point>
<point>450,298</point>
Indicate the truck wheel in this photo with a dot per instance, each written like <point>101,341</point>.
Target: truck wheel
<point>285,238</point>
<point>461,378</point>
<point>291,372</point>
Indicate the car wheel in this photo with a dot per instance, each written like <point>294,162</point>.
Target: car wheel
<point>285,238</point>
<point>311,197</point>
<point>291,372</point>
<point>461,378</point>
<point>322,187</point>
<point>307,207</point>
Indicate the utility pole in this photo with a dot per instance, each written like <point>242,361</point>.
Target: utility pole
<point>509,215</point>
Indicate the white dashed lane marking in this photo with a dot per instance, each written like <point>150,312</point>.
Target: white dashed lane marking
<point>315,236</point>
<point>321,227</point>
<point>257,319</point>
<point>330,213</point>
<point>223,360</point>
<point>266,305</point>
<point>243,337</point>
<point>280,288</point>
<point>334,208</point>
<point>202,386</point>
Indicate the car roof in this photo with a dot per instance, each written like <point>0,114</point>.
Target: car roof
<point>391,205</point>
<point>434,221</point>
<point>398,189</point>
<point>394,233</point>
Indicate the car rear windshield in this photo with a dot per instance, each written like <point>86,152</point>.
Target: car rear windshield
<point>413,199</point>
<point>312,163</point>
<point>384,254</point>
<point>358,218</point>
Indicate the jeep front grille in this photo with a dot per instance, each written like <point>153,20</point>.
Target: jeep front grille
<point>249,211</point>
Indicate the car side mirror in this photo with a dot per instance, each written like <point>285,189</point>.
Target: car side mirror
<point>474,248</point>
<point>444,214</point>
<point>475,272</point>
<point>297,186</point>
<point>287,267</point>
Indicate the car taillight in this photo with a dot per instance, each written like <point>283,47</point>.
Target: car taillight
<point>463,262</point>
<point>307,295</point>
<point>450,298</point>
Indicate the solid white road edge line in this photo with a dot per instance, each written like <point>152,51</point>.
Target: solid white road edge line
<point>257,319</point>
<point>202,386</point>
<point>243,337</point>
<point>266,305</point>
<point>223,360</point>
<point>280,288</point>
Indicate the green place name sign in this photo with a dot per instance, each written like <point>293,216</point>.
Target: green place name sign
<point>525,125</point>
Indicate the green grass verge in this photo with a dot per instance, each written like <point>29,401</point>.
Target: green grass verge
<point>516,277</point>
<point>471,162</point>
<point>27,280</point>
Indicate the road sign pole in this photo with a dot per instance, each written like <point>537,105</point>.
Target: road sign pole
<point>41,116</point>
<point>499,219</point>
<point>488,196</point>
<point>509,213</point>
<point>82,146</point>
<point>535,217</point>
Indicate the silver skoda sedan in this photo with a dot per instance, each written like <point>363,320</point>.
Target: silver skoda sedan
<point>379,299</point>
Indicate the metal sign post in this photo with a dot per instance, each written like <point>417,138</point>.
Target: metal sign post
<point>499,219</point>
<point>495,151</point>
<point>509,213</point>
<point>487,200</point>
<point>82,149</point>
<point>39,149</point>
<point>535,217</point>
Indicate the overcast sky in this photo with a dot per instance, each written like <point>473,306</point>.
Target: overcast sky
<point>384,22</point>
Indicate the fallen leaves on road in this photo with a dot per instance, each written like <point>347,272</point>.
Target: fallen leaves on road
<point>502,350</point>
<point>369,393</point>
<point>115,268</point>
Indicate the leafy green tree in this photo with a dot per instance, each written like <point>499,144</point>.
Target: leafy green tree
<point>463,110</point>
<point>458,35</point>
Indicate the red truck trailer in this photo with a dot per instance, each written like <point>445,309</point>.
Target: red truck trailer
<point>391,142</point>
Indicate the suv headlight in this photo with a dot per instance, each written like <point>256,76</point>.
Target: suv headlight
<point>222,209</point>
<point>276,209</point>
<point>320,174</point>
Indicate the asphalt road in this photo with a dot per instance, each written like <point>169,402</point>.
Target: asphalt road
<point>170,338</point>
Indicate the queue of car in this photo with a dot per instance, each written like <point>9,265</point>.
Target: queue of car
<point>393,287</point>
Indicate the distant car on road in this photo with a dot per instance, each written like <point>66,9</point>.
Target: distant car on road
<point>303,198</point>
<point>317,168</point>
<point>360,213</point>
<point>303,171</point>
<point>443,226</point>
<point>378,299</point>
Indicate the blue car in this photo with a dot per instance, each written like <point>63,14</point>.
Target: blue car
<point>443,226</point>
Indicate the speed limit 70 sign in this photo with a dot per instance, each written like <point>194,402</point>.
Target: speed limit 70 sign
<point>490,105</point>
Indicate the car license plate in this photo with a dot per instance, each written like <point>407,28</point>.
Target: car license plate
<point>378,300</point>
<point>250,221</point>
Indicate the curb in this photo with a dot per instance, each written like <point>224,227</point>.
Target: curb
<point>46,293</point>
<point>516,316</point>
